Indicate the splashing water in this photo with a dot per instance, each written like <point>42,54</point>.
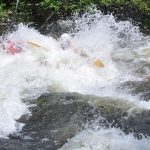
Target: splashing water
<point>44,67</point>
<point>105,139</point>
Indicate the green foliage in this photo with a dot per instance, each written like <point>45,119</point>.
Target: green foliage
<point>71,5</point>
<point>66,5</point>
<point>3,12</point>
<point>59,8</point>
<point>144,5</point>
<point>50,4</point>
<point>22,12</point>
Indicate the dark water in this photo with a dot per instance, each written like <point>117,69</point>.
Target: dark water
<point>60,116</point>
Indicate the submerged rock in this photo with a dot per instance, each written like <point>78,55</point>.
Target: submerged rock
<point>141,88</point>
<point>57,117</point>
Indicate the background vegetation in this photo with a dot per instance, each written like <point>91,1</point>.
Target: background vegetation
<point>38,11</point>
<point>69,5</point>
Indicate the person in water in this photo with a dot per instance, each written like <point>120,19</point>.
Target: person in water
<point>10,47</point>
<point>66,43</point>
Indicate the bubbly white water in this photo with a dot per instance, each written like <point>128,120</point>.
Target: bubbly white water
<point>45,67</point>
<point>105,139</point>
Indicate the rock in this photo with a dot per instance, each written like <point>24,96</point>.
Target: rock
<point>57,117</point>
<point>141,88</point>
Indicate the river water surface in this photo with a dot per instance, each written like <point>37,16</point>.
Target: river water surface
<point>48,68</point>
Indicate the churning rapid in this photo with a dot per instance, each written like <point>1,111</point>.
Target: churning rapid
<point>42,66</point>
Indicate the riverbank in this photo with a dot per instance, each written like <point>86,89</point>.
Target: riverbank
<point>41,13</point>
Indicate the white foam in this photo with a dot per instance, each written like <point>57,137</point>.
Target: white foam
<point>46,67</point>
<point>11,108</point>
<point>105,139</point>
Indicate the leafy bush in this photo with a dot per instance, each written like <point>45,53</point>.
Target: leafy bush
<point>3,12</point>
<point>23,11</point>
<point>56,5</point>
<point>31,10</point>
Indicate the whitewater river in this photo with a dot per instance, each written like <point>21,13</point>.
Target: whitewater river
<point>46,68</point>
